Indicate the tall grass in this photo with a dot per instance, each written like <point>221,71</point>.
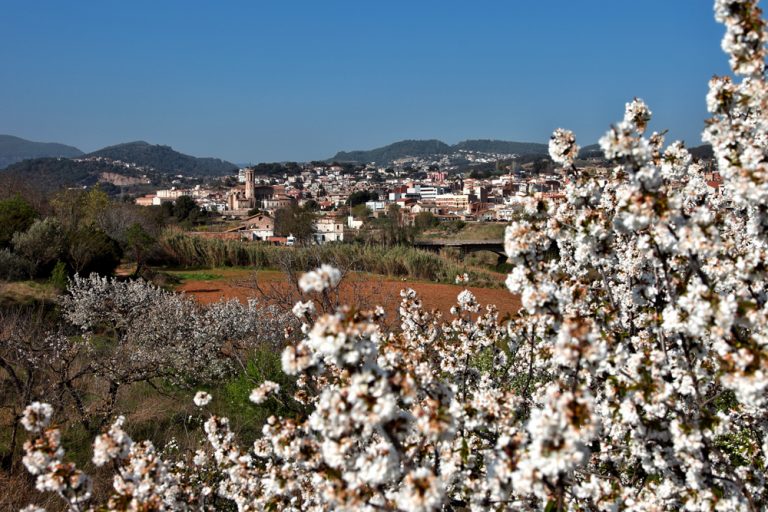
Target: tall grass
<point>395,261</point>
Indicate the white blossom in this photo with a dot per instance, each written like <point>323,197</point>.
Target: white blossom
<point>259,394</point>
<point>202,398</point>
<point>320,279</point>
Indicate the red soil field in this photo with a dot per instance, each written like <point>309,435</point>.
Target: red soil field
<point>361,290</point>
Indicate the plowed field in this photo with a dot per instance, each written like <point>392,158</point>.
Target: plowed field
<point>360,290</point>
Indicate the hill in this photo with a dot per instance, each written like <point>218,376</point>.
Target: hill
<point>165,159</point>
<point>15,149</point>
<point>703,152</point>
<point>50,174</point>
<point>502,146</point>
<point>402,149</point>
<point>426,148</point>
<point>591,151</point>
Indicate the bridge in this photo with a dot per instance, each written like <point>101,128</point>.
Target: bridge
<point>465,246</point>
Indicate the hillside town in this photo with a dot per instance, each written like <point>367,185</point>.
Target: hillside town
<point>413,186</point>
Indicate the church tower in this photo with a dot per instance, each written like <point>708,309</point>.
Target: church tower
<point>250,182</point>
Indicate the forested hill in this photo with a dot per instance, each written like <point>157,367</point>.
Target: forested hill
<point>426,148</point>
<point>15,149</point>
<point>50,174</point>
<point>502,147</point>
<point>386,154</point>
<point>165,159</point>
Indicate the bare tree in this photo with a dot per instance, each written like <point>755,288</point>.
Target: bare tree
<point>361,292</point>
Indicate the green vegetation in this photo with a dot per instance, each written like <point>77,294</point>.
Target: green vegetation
<point>360,211</point>
<point>51,174</point>
<point>26,293</point>
<point>16,214</point>
<point>297,221</point>
<point>425,220</point>
<point>361,197</point>
<point>73,231</point>
<point>394,261</point>
<point>264,364</point>
<point>197,275</point>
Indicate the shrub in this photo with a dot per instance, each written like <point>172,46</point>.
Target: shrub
<point>14,266</point>
<point>90,250</point>
<point>41,244</point>
<point>59,275</point>
<point>16,215</point>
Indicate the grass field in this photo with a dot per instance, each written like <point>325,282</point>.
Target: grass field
<point>26,292</point>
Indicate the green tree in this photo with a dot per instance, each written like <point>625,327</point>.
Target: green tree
<point>361,211</point>
<point>393,229</point>
<point>13,266</point>
<point>95,204</point>
<point>140,244</point>
<point>424,220</point>
<point>295,221</point>
<point>361,197</point>
<point>75,208</point>
<point>183,207</point>
<point>166,209</point>
<point>16,215</point>
<point>41,244</point>
<point>68,207</point>
<point>89,249</point>
<point>59,276</point>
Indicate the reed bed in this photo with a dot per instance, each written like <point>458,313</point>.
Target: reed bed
<point>393,261</point>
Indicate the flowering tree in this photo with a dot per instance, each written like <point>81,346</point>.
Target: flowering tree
<point>634,376</point>
<point>158,334</point>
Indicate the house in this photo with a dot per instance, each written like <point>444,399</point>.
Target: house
<point>257,227</point>
<point>329,229</point>
<point>454,202</point>
<point>354,223</point>
<point>278,201</point>
<point>425,206</point>
<point>147,200</point>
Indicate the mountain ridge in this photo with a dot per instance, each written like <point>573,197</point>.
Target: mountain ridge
<point>427,147</point>
<point>15,149</point>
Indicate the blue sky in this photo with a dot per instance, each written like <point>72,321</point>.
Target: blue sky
<point>253,81</point>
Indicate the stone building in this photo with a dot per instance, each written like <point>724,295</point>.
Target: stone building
<point>250,195</point>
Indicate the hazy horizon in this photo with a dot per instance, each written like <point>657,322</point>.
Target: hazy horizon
<point>250,83</point>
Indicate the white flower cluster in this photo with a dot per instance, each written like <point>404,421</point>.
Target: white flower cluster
<point>202,398</point>
<point>261,393</point>
<point>36,416</point>
<point>302,309</point>
<point>44,459</point>
<point>320,279</point>
<point>563,148</point>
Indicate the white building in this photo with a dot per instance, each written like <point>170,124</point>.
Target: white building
<point>329,229</point>
<point>354,223</point>
<point>376,206</point>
